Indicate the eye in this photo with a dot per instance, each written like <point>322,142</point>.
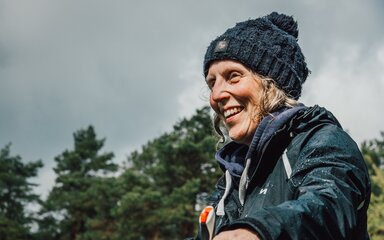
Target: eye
<point>234,76</point>
<point>211,83</point>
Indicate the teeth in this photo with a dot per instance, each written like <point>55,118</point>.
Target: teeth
<point>231,111</point>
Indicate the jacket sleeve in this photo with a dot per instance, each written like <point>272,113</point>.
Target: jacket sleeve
<point>332,191</point>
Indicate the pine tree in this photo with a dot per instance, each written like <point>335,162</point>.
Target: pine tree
<point>160,188</point>
<point>16,191</point>
<point>79,205</point>
<point>373,152</point>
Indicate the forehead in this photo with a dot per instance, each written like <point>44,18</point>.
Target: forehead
<point>222,65</point>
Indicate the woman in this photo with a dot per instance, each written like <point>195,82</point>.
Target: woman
<point>291,172</point>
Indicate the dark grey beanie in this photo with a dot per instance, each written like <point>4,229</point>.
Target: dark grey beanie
<point>267,45</point>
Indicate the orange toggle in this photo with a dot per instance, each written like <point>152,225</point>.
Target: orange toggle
<point>204,214</point>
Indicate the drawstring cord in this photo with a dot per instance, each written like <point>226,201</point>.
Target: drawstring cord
<point>243,185</point>
<point>228,184</point>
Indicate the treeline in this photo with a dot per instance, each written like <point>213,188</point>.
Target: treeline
<point>156,194</point>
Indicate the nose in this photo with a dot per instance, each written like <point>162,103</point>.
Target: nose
<point>219,93</point>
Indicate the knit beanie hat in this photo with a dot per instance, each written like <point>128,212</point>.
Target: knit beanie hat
<point>267,45</point>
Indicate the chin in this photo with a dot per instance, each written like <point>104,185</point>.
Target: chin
<point>242,133</point>
<point>241,138</point>
<point>238,139</point>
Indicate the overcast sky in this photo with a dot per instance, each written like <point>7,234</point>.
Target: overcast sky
<point>134,68</point>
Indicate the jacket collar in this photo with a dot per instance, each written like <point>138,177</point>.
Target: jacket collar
<point>232,156</point>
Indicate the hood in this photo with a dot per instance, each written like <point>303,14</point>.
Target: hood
<point>314,116</point>
<point>294,120</point>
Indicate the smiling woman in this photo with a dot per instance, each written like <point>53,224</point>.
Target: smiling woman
<point>235,97</point>
<point>290,171</point>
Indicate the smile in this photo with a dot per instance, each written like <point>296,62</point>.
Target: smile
<point>232,111</point>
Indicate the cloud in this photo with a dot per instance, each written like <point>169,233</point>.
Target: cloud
<point>349,84</point>
<point>132,69</point>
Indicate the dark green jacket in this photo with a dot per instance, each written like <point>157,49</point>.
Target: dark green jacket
<point>322,192</point>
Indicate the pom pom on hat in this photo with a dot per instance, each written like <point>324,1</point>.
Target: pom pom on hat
<point>285,23</point>
<point>267,45</point>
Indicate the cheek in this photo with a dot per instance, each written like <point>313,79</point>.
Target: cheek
<point>254,99</point>
<point>213,104</point>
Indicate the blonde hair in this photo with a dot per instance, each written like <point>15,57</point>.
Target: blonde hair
<point>271,99</point>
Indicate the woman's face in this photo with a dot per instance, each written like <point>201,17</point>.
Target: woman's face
<point>235,97</point>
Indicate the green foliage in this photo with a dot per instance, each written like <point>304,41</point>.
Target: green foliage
<point>373,152</point>
<point>15,194</point>
<point>135,211</point>
<point>79,205</point>
<point>152,199</point>
<point>161,186</point>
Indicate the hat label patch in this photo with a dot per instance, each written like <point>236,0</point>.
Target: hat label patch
<point>221,46</point>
